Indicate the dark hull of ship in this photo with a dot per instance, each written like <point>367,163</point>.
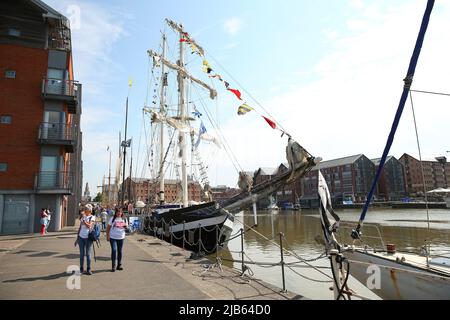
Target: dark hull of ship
<point>208,222</point>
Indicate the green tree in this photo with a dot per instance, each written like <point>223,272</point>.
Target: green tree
<point>99,197</point>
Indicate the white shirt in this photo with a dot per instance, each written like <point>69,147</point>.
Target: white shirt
<point>84,231</point>
<point>117,231</point>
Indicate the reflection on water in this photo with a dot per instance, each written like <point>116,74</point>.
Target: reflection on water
<point>405,228</point>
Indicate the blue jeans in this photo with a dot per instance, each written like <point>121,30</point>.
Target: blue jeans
<point>116,250</point>
<point>85,250</point>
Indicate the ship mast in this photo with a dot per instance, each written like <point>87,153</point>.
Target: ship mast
<point>162,110</point>
<point>182,135</point>
<point>182,75</point>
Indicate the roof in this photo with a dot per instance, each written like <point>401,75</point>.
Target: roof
<point>377,160</point>
<point>427,158</point>
<point>265,171</point>
<point>337,162</point>
<point>50,11</point>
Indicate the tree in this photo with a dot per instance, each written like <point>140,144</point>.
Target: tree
<point>99,197</point>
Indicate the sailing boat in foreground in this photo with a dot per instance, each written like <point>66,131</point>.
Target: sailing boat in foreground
<point>203,227</point>
<point>388,273</point>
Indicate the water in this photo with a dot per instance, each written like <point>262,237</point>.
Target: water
<point>405,228</point>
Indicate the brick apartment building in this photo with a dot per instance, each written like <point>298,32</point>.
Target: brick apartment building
<point>223,193</point>
<point>40,109</point>
<point>392,184</point>
<point>147,190</point>
<point>436,173</point>
<point>348,179</point>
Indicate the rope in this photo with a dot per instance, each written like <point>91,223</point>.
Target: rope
<point>423,175</point>
<point>431,92</point>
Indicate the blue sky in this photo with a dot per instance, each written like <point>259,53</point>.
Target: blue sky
<point>330,72</point>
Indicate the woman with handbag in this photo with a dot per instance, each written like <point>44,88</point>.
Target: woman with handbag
<point>115,234</point>
<point>84,243</point>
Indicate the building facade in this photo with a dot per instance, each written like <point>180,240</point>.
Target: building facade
<point>436,173</point>
<point>391,185</point>
<point>40,110</point>
<point>147,190</point>
<point>349,180</point>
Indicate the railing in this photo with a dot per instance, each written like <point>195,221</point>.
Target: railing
<point>59,87</point>
<point>54,180</point>
<point>56,131</point>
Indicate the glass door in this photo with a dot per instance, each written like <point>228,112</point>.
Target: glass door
<point>49,171</point>
<point>54,127</point>
<point>55,82</point>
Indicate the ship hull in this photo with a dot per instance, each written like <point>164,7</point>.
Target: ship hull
<point>398,280</point>
<point>185,227</point>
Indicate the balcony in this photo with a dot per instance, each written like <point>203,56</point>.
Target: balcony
<point>60,134</point>
<point>53,182</point>
<point>68,91</point>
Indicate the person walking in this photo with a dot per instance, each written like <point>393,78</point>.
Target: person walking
<point>44,220</point>
<point>104,216</point>
<point>49,218</point>
<point>115,234</point>
<point>84,243</point>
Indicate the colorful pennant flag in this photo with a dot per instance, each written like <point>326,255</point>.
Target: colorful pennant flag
<point>201,131</point>
<point>236,92</point>
<point>270,122</point>
<point>243,109</point>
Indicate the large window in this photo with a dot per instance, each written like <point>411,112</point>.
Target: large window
<point>3,166</point>
<point>5,119</point>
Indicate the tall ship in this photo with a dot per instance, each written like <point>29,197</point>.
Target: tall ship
<point>202,224</point>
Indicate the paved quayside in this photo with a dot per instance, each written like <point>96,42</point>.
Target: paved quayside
<point>34,267</point>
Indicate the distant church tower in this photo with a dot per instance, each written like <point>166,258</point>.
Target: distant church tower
<point>87,194</point>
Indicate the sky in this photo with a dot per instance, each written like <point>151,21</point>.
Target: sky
<point>330,73</point>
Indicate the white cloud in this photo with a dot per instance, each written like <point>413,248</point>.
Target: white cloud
<point>233,25</point>
<point>350,106</point>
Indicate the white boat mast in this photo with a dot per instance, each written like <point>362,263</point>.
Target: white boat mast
<point>182,135</point>
<point>182,75</point>
<point>162,110</point>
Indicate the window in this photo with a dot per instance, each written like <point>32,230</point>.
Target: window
<point>14,32</point>
<point>10,74</point>
<point>3,166</point>
<point>5,119</point>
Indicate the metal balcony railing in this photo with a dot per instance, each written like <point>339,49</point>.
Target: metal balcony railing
<point>58,134</point>
<point>57,131</point>
<point>56,181</point>
<point>59,87</point>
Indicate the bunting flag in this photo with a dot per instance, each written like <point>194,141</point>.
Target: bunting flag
<point>196,113</point>
<point>206,67</point>
<point>236,92</point>
<point>270,122</point>
<point>201,131</point>
<point>130,82</point>
<point>156,61</point>
<point>243,109</point>
<point>226,84</point>
<point>218,76</point>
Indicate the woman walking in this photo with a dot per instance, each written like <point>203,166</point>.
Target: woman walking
<point>44,220</point>
<point>85,244</point>
<point>115,234</point>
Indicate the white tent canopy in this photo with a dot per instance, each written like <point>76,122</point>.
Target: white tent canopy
<point>440,190</point>
<point>139,204</point>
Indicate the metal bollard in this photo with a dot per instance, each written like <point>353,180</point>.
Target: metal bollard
<point>171,234</point>
<point>184,226</point>
<point>217,242</point>
<point>199,238</point>
<point>242,251</point>
<point>282,260</point>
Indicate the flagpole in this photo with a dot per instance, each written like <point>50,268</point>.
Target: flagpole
<point>124,155</point>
